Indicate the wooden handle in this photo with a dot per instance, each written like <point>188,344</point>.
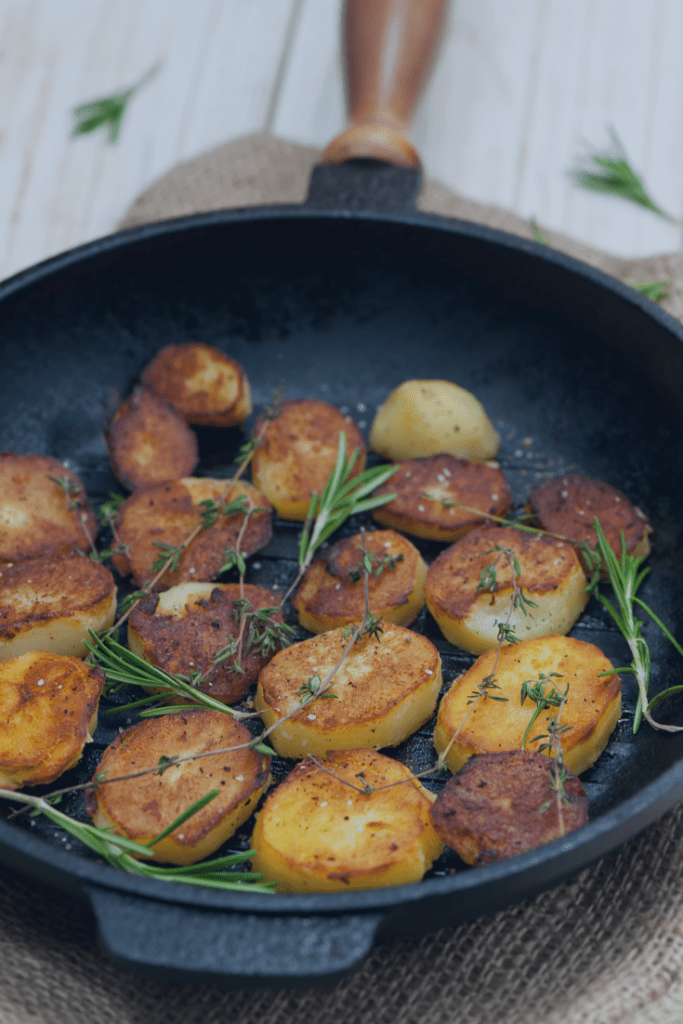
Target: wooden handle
<point>389,44</point>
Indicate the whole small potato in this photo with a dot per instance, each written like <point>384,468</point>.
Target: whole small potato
<point>430,417</point>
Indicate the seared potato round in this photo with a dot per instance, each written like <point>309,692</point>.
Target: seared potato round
<point>50,604</point>
<point>383,692</point>
<point>205,386</point>
<point>468,612</point>
<point>317,834</point>
<point>298,451</point>
<point>168,513</point>
<point>142,808</point>
<point>48,707</point>
<point>500,805</point>
<point>469,724</point>
<point>430,491</point>
<point>183,630</point>
<point>149,442</point>
<point>38,516</point>
<point>331,593</point>
<point>427,417</point>
<point>568,504</point>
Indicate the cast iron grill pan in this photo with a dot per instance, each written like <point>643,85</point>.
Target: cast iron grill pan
<point>577,372</point>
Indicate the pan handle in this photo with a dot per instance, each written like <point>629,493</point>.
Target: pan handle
<point>182,943</point>
<point>389,46</point>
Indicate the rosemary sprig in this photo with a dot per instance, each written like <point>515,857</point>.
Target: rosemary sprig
<point>343,496</point>
<point>611,174</point>
<point>123,853</point>
<point>109,111</point>
<point>625,577</point>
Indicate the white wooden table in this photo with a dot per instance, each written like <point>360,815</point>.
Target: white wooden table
<point>519,87</point>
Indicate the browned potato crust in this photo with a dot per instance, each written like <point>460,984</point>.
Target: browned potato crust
<point>50,603</point>
<point>142,808</point>
<point>182,645</point>
<point>384,691</point>
<point>568,505</point>
<point>501,805</point>
<point>450,482</point>
<point>168,513</point>
<point>48,711</point>
<point>317,834</point>
<point>204,385</point>
<point>550,576</point>
<point>468,724</point>
<point>298,451</point>
<point>331,592</point>
<point>149,442</point>
<point>35,514</point>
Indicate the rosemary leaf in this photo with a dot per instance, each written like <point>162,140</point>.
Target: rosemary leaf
<point>109,111</point>
<point>654,290</point>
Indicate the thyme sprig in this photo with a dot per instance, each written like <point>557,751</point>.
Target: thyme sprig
<point>610,173</point>
<point>625,577</point>
<point>552,743</point>
<point>545,693</point>
<point>124,853</point>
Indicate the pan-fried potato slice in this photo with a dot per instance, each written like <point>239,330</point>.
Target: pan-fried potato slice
<point>331,592</point>
<point>48,712</point>
<point>142,808</point>
<point>384,690</point>
<point>49,604</point>
<point>205,386</point>
<point>37,515</point>
<point>317,834</point>
<point>298,451</point>
<point>168,513</point>
<point>149,442</point>
<point>429,492</point>
<point>568,504</point>
<point>500,805</point>
<point>468,724</point>
<point>427,417</point>
<point>468,613</point>
<point>183,630</point>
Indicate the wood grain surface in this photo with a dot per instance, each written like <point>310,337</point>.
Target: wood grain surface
<point>519,89</point>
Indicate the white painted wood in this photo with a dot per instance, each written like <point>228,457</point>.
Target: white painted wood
<point>517,87</point>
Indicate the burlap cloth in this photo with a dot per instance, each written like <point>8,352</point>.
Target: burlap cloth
<point>606,948</point>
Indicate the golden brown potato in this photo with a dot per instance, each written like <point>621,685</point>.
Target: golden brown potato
<point>384,690</point>
<point>426,417</point>
<point>469,724</point>
<point>184,629</point>
<point>37,515</point>
<point>298,451</point>
<point>205,386</point>
<point>331,592</point>
<point>550,576</point>
<point>429,492</point>
<point>49,604</point>
<point>142,808</point>
<point>149,442</point>
<point>48,711</point>
<point>168,513</point>
<point>568,504</point>
<point>501,805</point>
<point>317,834</point>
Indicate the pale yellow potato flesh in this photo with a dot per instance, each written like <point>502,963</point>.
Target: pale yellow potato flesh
<point>142,808</point>
<point>384,691</point>
<point>428,417</point>
<point>550,576</point>
<point>468,724</point>
<point>317,834</point>
<point>50,604</point>
<point>48,712</point>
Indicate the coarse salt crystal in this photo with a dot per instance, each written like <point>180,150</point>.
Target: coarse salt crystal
<point>387,543</point>
<point>181,835</point>
<point>564,494</point>
<point>446,472</point>
<point>192,570</point>
<point>324,803</point>
<point>409,474</point>
<point>349,803</point>
<point>41,682</point>
<point>429,672</point>
<point>240,778</point>
<point>311,718</point>
<point>420,508</point>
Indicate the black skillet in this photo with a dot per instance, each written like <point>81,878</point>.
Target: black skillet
<point>577,371</point>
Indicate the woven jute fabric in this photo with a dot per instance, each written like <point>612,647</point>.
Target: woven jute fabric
<point>605,948</point>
